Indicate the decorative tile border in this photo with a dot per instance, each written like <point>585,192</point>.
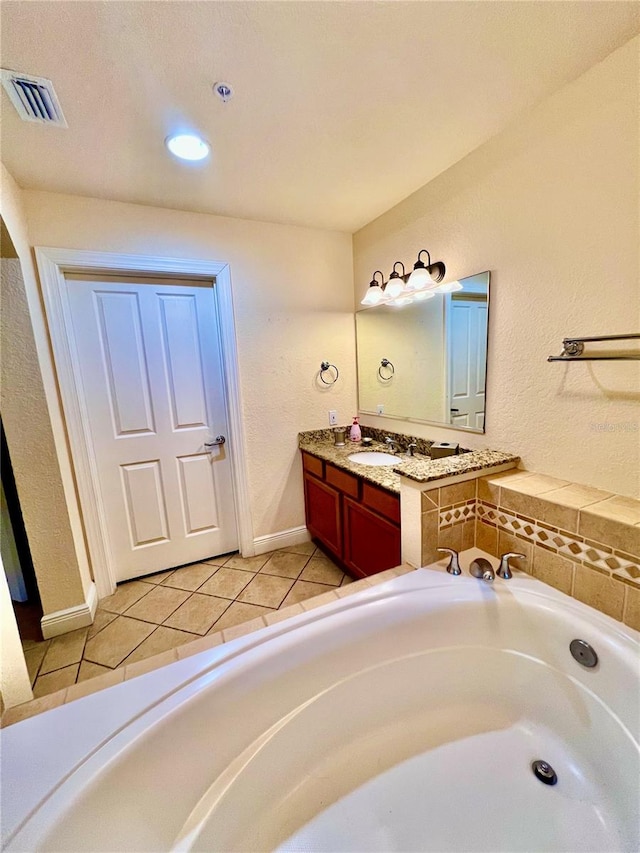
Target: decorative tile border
<point>624,567</point>
<point>456,514</point>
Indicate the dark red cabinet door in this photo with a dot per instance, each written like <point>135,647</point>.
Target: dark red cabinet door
<point>323,513</point>
<point>371,543</point>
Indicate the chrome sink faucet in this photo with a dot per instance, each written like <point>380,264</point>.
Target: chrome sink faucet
<point>391,443</point>
<point>411,448</point>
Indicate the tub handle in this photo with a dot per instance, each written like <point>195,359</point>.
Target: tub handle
<point>454,563</point>
<point>504,570</point>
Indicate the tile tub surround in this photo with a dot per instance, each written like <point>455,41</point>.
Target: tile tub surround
<point>421,469</point>
<point>303,601</point>
<point>583,541</point>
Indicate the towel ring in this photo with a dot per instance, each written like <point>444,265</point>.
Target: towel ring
<point>324,366</point>
<point>388,364</point>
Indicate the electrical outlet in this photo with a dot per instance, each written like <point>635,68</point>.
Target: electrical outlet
<point>380,409</point>
<point>333,418</point>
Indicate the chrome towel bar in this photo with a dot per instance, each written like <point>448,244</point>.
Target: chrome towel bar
<point>573,349</point>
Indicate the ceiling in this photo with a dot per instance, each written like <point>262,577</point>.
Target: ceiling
<point>341,109</point>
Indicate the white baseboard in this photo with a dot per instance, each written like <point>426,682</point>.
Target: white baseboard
<point>63,621</point>
<point>283,539</point>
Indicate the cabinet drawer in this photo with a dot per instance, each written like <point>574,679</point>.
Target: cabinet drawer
<point>371,543</point>
<point>313,465</point>
<point>381,501</point>
<point>346,483</point>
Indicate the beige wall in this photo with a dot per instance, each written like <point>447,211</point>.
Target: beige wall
<point>550,206</point>
<point>43,476</point>
<point>293,297</point>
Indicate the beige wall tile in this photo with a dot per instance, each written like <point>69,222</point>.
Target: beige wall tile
<point>599,591</point>
<point>539,508</point>
<point>616,534</point>
<point>266,591</point>
<point>239,612</point>
<point>430,500</point>
<point>116,642</point>
<point>536,484</point>
<point>190,577</point>
<point>322,571</point>
<point>468,534</point>
<point>509,542</point>
<point>487,538</point>
<point>125,595</point>
<point>226,583</point>
<point>450,537</point>
<point>576,496</point>
<point>457,493</point>
<point>553,570</point>
<point>430,537</point>
<point>157,605</point>
<point>488,488</point>
<point>163,639</point>
<point>198,614</point>
<point>619,508</point>
<point>632,608</point>
<point>57,680</point>
<point>285,564</point>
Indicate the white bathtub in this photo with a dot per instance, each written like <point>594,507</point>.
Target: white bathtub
<point>405,717</point>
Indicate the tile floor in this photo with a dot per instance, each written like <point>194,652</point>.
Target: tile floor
<point>161,612</point>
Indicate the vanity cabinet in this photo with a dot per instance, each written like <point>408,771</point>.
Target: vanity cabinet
<point>359,523</point>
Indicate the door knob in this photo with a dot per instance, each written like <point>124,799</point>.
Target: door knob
<point>219,439</point>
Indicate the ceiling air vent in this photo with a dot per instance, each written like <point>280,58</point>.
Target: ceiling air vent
<point>33,97</point>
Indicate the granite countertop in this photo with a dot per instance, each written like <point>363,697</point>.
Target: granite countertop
<point>420,467</point>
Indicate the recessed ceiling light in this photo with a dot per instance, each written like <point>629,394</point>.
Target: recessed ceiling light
<point>187,146</point>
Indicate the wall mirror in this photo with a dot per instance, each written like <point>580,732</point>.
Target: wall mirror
<point>427,361</point>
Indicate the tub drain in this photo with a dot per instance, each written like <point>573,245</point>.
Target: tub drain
<point>544,772</point>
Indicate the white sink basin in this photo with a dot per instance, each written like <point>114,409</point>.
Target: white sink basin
<point>373,457</point>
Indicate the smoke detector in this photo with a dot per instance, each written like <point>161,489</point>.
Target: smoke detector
<point>33,97</point>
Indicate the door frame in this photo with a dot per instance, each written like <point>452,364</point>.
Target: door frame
<point>52,265</point>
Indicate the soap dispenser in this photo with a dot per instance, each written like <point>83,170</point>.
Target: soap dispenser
<point>355,433</point>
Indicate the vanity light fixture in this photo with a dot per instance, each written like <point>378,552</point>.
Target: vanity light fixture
<point>375,292</point>
<point>187,146</point>
<point>403,288</point>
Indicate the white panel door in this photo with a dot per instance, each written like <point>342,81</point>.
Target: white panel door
<point>467,362</point>
<point>153,387</point>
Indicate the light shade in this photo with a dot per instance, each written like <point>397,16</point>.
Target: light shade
<point>395,286</point>
<point>374,295</point>
<point>419,279</point>
<point>187,146</point>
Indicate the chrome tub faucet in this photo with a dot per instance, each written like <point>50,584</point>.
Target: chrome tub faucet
<point>454,563</point>
<point>504,570</point>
